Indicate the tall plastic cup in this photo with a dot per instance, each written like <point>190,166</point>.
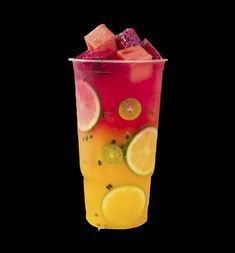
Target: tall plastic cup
<point>118,105</point>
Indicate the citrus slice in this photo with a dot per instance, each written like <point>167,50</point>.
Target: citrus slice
<point>140,155</point>
<point>111,154</point>
<point>123,205</point>
<point>88,106</point>
<point>129,109</point>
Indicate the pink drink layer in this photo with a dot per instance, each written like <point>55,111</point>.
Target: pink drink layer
<point>113,85</point>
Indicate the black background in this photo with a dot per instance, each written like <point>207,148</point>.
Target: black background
<point>54,190</point>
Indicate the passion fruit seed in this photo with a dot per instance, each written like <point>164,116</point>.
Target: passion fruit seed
<point>109,186</point>
<point>99,162</point>
<point>123,148</point>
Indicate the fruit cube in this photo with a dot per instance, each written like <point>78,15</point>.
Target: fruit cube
<point>88,69</point>
<point>101,39</point>
<point>150,49</point>
<point>101,55</point>
<point>138,71</point>
<point>133,53</point>
<point>127,38</point>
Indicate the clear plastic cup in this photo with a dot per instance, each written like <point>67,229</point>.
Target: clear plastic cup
<point>118,106</point>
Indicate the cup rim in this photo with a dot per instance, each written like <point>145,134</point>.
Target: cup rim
<point>119,61</point>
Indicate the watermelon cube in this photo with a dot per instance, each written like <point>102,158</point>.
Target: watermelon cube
<point>101,39</point>
<point>133,53</point>
<point>138,71</point>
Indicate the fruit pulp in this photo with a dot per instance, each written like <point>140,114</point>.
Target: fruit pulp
<point>116,191</point>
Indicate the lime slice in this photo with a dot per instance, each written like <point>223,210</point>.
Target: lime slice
<point>123,205</point>
<point>88,106</point>
<point>129,109</point>
<point>112,154</point>
<point>140,155</point>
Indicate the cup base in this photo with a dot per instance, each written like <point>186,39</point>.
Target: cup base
<point>102,227</point>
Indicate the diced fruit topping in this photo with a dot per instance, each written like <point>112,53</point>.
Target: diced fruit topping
<point>129,109</point>
<point>101,55</point>
<point>112,154</point>
<point>123,206</point>
<point>104,41</point>
<point>150,49</point>
<point>127,38</point>
<point>97,66</point>
<point>133,53</point>
<point>102,45</point>
<point>101,39</point>
<point>88,106</point>
<point>140,155</point>
<point>138,72</point>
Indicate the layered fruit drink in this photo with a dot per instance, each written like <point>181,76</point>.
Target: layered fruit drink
<point>118,86</point>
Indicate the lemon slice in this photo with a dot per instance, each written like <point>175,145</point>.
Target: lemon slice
<point>123,205</point>
<point>129,109</point>
<point>140,155</point>
<point>112,154</point>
